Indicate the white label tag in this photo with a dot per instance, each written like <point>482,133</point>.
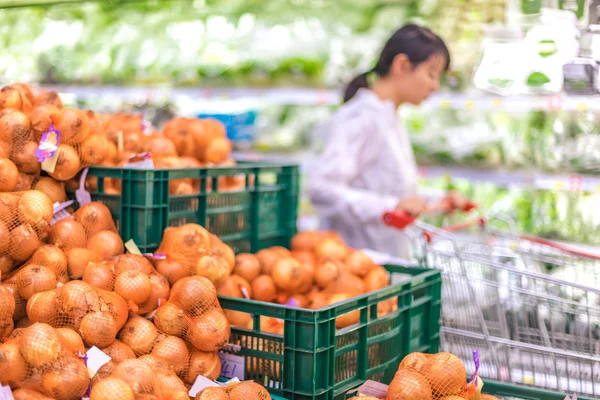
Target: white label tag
<point>60,211</point>
<point>232,366</point>
<point>49,164</point>
<point>200,384</point>
<point>83,196</point>
<point>144,164</point>
<point>132,247</point>
<point>6,393</point>
<point>96,358</point>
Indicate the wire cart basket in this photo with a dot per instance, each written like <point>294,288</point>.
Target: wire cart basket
<point>531,306</point>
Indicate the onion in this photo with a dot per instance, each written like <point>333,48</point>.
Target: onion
<point>267,259</point>
<point>413,362</point>
<point>77,299</point>
<point>223,251</point>
<point>7,304</point>
<point>166,382</point>
<point>25,158</point>
<point>248,390</point>
<point>112,389</point>
<point>305,257</point>
<point>318,300</point>
<point>176,130</point>
<point>331,249</point>
<point>409,385</point>
<point>119,352</point>
<point>247,267</point>
<point>139,334</point>
<point>116,305</point>
<point>174,351</point>
<point>239,319</point>
<point>13,367</point>
<point>218,150</point>
<point>98,329</point>
<point>32,279</point>
<point>28,394</point>
<point>43,307</point>
<point>376,279</point>
<point>158,295</point>
<point>209,331</point>
<point>48,97</point>
<point>20,303</point>
<point>327,273</point>
<point>171,269</point>
<point>14,127</point>
<point>53,258</point>
<point>188,241</point>
<point>94,217</point>
<point>6,264</point>
<point>9,174</point>
<point>39,344</point>
<point>77,261</point>
<point>347,319</point>
<point>23,323</point>
<point>67,163</point>
<point>105,245</point>
<point>263,288</point>
<point>73,125</point>
<point>68,234</point>
<point>53,189</point>
<point>4,244</point>
<point>99,275</point>
<point>25,182</point>
<point>171,319</point>
<point>160,146</point>
<point>213,393</point>
<point>346,283</point>
<point>446,374</point>
<point>133,262</point>
<point>137,374</point>
<point>287,275</point>
<point>24,242</point>
<point>94,150</point>
<point>41,118</point>
<point>67,379</point>
<point>195,294</point>
<point>215,269</point>
<point>7,328</point>
<point>70,341</point>
<point>358,263</point>
<point>133,286</point>
<point>202,363</point>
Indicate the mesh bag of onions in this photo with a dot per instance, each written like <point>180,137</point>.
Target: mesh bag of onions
<point>430,376</point>
<point>87,235</point>
<point>132,277</point>
<point>191,250</point>
<point>246,390</point>
<point>40,361</point>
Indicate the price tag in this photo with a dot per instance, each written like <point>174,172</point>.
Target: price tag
<point>497,103</point>
<point>528,380</point>
<point>575,183</point>
<point>132,247</point>
<point>582,106</point>
<point>470,104</point>
<point>559,185</point>
<point>49,164</point>
<point>6,393</point>
<point>200,384</point>
<point>322,97</point>
<point>96,358</point>
<point>598,188</point>
<point>232,366</point>
<point>554,103</point>
<point>445,104</point>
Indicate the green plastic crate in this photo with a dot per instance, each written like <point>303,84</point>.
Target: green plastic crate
<point>262,214</point>
<point>313,360</point>
<point>514,392</point>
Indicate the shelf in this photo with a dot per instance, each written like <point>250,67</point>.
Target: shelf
<point>537,180</point>
<point>311,96</point>
<point>291,96</point>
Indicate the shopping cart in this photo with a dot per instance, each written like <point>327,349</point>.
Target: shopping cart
<point>531,306</point>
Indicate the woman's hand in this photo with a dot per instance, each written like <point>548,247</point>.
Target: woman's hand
<point>413,206</point>
<point>456,200</point>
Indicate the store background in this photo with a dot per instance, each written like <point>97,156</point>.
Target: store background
<point>516,126</point>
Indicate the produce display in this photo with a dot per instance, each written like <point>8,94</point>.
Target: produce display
<point>320,270</point>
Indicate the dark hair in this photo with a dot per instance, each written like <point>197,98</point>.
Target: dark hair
<point>417,42</point>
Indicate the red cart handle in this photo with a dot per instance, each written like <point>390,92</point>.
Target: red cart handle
<point>401,219</point>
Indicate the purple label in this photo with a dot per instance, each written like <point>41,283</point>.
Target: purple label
<point>476,360</point>
<point>292,302</point>
<point>156,256</point>
<point>85,361</point>
<point>48,144</point>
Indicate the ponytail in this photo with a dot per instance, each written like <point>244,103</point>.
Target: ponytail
<point>360,82</point>
<point>416,42</point>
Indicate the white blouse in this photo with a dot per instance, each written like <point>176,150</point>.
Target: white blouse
<point>367,166</point>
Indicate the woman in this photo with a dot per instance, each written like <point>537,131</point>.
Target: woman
<point>367,166</point>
